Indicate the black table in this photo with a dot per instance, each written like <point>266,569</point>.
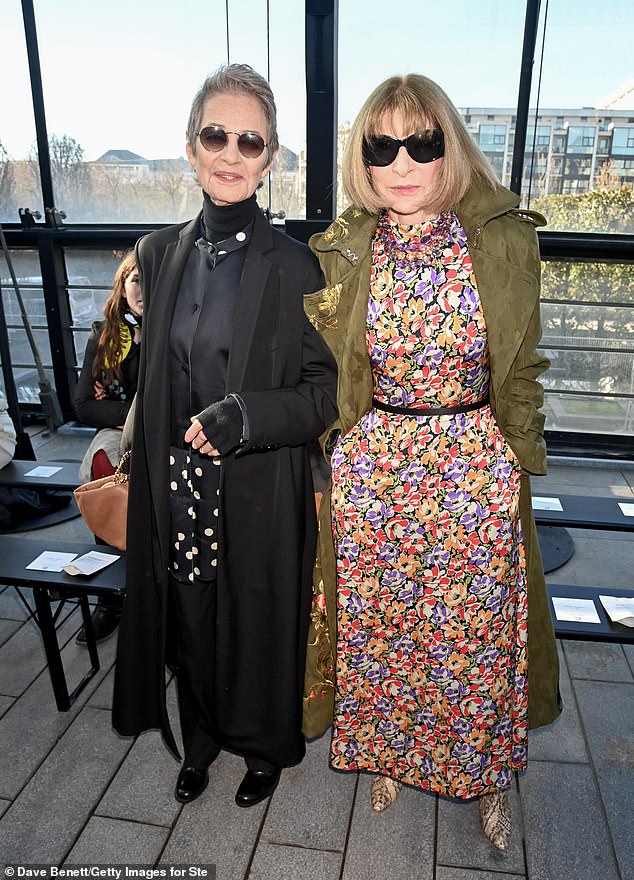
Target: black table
<point>66,479</point>
<point>606,631</point>
<point>54,586</point>
<point>587,512</point>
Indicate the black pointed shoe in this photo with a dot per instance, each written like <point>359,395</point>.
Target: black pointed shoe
<point>256,786</point>
<point>190,784</point>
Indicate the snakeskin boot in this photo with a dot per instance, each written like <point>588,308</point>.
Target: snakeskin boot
<point>495,819</point>
<point>384,792</point>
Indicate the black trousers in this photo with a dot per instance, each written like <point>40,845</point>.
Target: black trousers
<point>195,608</point>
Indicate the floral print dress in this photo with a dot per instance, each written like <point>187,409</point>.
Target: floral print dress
<point>432,603</point>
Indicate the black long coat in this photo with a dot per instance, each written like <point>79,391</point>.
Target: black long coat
<point>286,376</point>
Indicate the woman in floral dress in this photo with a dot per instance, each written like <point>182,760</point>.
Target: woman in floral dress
<point>427,475</point>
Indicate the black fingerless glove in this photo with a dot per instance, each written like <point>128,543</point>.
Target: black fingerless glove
<point>223,425</point>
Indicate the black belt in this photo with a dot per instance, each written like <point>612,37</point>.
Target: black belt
<point>430,410</point>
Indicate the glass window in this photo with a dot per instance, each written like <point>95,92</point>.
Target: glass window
<point>492,138</point>
<point>623,141</point>
<point>588,333</point>
<point>20,185</point>
<point>117,105</point>
<point>542,136</point>
<point>26,266</point>
<point>580,139</point>
<point>588,101</point>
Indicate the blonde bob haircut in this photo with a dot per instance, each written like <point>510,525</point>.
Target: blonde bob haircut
<point>422,104</point>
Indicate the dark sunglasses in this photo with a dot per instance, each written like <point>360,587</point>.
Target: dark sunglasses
<point>214,139</point>
<point>422,146</point>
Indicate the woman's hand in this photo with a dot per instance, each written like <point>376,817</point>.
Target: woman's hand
<point>217,429</point>
<point>196,436</point>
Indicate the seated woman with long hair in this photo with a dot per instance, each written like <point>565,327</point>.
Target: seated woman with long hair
<point>105,391</point>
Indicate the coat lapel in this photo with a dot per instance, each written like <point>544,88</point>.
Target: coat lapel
<point>255,276</point>
<point>156,425</point>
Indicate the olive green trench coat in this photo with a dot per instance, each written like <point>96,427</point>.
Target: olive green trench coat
<point>504,251</point>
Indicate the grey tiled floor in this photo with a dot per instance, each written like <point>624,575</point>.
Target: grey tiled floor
<point>74,793</point>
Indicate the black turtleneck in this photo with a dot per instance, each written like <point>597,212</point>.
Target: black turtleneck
<point>222,221</point>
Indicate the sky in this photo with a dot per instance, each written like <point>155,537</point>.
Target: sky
<point>121,74</point>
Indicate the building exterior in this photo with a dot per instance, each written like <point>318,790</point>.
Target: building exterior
<point>568,150</point>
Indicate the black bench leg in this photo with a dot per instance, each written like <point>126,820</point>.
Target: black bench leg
<point>51,648</point>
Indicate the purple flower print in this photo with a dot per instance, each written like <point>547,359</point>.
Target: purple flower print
<point>374,310</point>
<point>363,466</point>
<point>351,749</point>
<point>376,672</point>
<point>480,557</point>
<point>393,579</point>
<point>456,691</point>
<point>462,752</point>
<point>482,584</point>
<point>424,289</point>
<point>456,470</point>
<point>468,301</point>
<point>427,766</point>
<point>384,706</point>
<point>520,753</point>
<point>358,639</point>
<point>501,470</point>
<point>377,514</point>
<point>461,728</point>
<point>474,358</point>
<point>360,660</point>
<point>458,426</point>
<point>440,675</point>
<point>404,644</point>
<point>388,553</point>
<point>361,496</point>
<point>348,706</point>
<point>406,595</point>
<point>425,718</point>
<point>502,728</point>
<point>493,604</point>
<point>455,499</point>
<point>347,548</point>
<point>387,728</point>
<point>440,614</point>
<point>353,605</point>
<point>413,473</point>
<point>473,516</point>
<point>474,766</point>
<point>488,657</point>
<point>504,778</point>
<point>402,744</point>
<point>440,653</point>
<point>436,556</point>
<point>378,356</point>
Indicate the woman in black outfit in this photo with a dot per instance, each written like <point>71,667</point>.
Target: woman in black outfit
<point>234,382</point>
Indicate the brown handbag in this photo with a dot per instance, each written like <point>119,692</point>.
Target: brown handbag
<point>103,504</point>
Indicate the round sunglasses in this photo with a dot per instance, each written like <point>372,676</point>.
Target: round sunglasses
<point>422,146</point>
<point>214,138</point>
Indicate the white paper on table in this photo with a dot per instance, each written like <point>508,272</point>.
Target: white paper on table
<point>575,610</point>
<point>541,503</point>
<point>90,562</point>
<point>627,509</point>
<point>42,471</point>
<point>620,609</point>
<point>51,560</point>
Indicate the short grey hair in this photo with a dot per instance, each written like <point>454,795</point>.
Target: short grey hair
<point>235,79</point>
